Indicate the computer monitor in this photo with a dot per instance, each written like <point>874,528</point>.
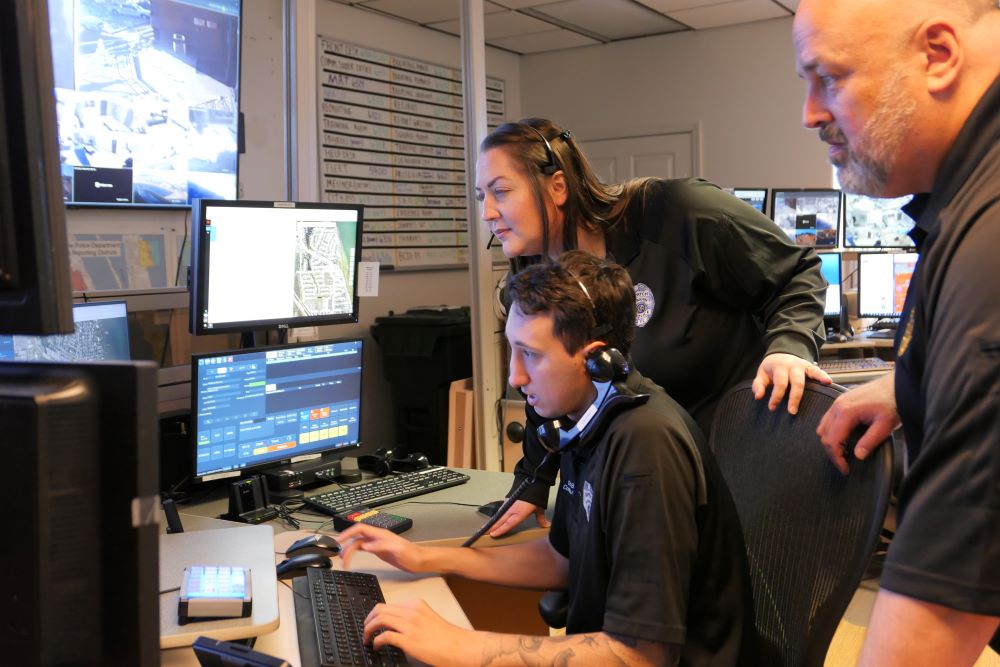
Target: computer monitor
<point>101,335</point>
<point>259,265</point>
<point>756,197</point>
<point>809,217</point>
<point>883,279</point>
<point>830,268</point>
<point>79,569</point>
<point>266,406</point>
<point>870,222</point>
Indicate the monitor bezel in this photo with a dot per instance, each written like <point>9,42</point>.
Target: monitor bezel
<point>829,315</point>
<point>878,316</point>
<point>284,461</point>
<point>767,195</point>
<point>773,196</point>
<point>911,246</point>
<point>198,287</point>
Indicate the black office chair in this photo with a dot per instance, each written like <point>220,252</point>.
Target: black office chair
<point>810,532</point>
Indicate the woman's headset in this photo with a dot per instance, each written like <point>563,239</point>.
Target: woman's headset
<point>607,368</point>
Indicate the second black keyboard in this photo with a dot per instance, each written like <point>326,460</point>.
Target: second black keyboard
<point>386,490</point>
<point>340,603</point>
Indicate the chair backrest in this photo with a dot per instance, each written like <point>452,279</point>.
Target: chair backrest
<point>810,532</point>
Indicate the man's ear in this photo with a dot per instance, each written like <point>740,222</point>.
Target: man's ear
<point>941,45</point>
<point>557,188</point>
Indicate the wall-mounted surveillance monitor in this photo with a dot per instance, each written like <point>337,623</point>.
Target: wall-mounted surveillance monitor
<point>147,99</point>
<point>831,268</point>
<point>870,222</point>
<point>809,217</point>
<point>101,335</point>
<point>883,279</point>
<point>756,197</point>
<point>265,406</point>
<point>260,265</point>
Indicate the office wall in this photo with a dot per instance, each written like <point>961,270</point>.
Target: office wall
<point>738,83</point>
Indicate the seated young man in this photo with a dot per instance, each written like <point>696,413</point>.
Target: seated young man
<point>644,537</point>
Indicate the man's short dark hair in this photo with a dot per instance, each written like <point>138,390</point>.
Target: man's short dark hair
<point>607,314</point>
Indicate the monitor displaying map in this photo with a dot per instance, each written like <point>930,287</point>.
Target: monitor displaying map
<point>260,265</point>
<point>101,334</point>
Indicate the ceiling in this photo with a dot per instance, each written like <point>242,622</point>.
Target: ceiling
<point>535,26</point>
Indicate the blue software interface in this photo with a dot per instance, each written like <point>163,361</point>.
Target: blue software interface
<point>831,272</point>
<point>261,406</point>
<point>101,334</point>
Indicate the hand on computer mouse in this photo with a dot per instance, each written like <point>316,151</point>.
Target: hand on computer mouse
<point>296,565</point>
<point>315,544</point>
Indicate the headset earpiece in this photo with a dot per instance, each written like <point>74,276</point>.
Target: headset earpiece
<point>616,398</point>
<point>606,364</point>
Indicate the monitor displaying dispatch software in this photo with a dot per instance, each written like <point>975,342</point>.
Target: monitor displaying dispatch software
<point>870,222</point>
<point>260,407</point>
<point>101,334</point>
<point>259,265</point>
<point>809,217</point>
<point>756,197</point>
<point>883,279</point>
<point>831,272</point>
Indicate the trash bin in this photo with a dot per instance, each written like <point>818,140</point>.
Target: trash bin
<point>423,351</point>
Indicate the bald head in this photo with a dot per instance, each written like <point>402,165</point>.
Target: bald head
<point>891,82</point>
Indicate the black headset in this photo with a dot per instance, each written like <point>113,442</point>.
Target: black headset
<point>607,367</point>
<point>551,166</point>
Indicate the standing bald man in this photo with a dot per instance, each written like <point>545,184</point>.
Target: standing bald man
<point>907,95</point>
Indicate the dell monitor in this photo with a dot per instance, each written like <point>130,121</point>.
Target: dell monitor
<point>883,279</point>
<point>870,222</point>
<point>756,197</point>
<point>101,335</point>
<point>268,406</point>
<point>260,265</point>
<point>809,217</point>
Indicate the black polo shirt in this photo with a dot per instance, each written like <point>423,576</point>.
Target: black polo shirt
<point>947,547</point>
<point>652,536</point>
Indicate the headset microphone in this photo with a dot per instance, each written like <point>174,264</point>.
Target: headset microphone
<point>493,237</point>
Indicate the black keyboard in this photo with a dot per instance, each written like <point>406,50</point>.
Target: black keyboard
<point>340,603</point>
<point>855,365</point>
<point>386,490</point>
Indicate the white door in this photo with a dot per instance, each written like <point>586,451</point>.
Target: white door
<point>669,155</point>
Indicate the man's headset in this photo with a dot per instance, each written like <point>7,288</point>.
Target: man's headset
<point>608,368</point>
<point>550,167</point>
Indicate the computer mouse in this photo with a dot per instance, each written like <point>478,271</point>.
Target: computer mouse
<point>296,565</point>
<point>315,544</point>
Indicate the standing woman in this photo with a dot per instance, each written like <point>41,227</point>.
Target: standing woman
<point>722,294</point>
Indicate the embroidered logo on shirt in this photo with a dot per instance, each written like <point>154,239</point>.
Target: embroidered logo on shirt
<point>644,304</point>
<point>569,487</point>
<point>588,498</point>
<point>904,342</point>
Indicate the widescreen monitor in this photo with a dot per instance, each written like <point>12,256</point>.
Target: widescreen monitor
<point>830,268</point>
<point>809,217</point>
<point>870,222</point>
<point>756,197</point>
<point>266,406</point>
<point>147,99</point>
<point>883,279</point>
<point>259,265</point>
<point>101,335</point>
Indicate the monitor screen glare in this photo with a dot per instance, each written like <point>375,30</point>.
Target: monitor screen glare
<point>883,279</point>
<point>265,264</point>
<point>876,223</point>
<point>809,217</point>
<point>101,335</point>
<point>147,99</point>
<point>266,405</point>
<point>831,272</point>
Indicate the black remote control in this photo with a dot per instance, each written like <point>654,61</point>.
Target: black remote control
<point>393,522</point>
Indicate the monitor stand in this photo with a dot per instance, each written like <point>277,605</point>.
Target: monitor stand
<point>287,481</point>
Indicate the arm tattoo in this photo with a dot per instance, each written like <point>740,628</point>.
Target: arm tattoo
<point>570,650</point>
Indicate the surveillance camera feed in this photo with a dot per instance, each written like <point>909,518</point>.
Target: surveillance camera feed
<point>876,223</point>
<point>147,95</point>
<point>809,217</point>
